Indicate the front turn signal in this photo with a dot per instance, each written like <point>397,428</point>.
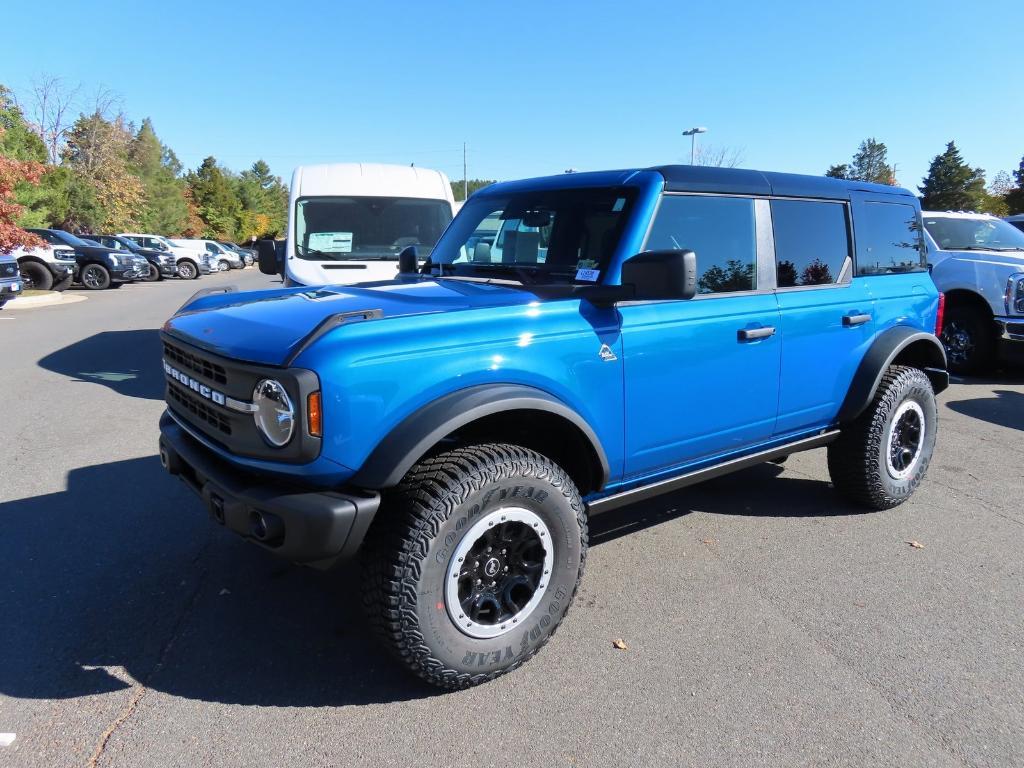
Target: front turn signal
<point>314,415</point>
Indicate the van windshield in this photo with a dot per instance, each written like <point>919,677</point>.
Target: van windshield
<point>367,228</point>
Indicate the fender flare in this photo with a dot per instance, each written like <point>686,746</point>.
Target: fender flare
<point>883,352</point>
<point>395,455</point>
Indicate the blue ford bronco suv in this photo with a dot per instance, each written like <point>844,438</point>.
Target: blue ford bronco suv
<point>609,337</point>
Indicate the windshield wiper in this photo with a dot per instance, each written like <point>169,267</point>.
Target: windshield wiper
<point>525,274</point>
<point>984,248</point>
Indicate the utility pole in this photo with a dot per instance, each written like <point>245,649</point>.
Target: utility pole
<point>465,179</point>
<point>692,133</point>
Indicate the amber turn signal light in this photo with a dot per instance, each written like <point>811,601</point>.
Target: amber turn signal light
<point>314,415</point>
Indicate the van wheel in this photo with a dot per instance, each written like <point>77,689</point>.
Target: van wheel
<point>35,276</point>
<point>476,562</point>
<point>224,265</point>
<point>882,456</point>
<point>969,338</point>
<point>187,270</point>
<point>95,277</point>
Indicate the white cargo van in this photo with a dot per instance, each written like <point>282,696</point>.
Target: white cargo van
<point>348,222</point>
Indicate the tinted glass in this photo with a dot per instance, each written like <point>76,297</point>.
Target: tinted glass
<point>889,240</point>
<point>720,230</point>
<point>963,234</point>
<point>811,242</point>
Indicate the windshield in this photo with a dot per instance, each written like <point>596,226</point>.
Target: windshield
<point>956,234</point>
<point>544,236</point>
<point>70,239</point>
<point>367,228</point>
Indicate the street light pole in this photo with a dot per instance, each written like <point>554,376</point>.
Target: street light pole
<point>692,133</point>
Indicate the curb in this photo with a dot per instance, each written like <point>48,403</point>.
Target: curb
<point>54,297</point>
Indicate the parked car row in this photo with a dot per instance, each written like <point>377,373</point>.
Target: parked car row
<point>100,261</point>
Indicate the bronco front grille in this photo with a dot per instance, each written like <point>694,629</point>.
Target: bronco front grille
<point>204,368</point>
<point>198,408</point>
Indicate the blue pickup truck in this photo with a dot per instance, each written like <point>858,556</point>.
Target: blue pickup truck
<point>620,335</point>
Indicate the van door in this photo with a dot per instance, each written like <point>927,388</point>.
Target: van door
<point>702,376</point>
<point>827,317</point>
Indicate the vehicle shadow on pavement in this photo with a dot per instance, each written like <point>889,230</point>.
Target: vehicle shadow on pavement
<point>760,491</point>
<point>127,362</point>
<point>1006,409</point>
<point>125,570</point>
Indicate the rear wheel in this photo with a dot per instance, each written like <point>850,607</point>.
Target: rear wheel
<point>95,277</point>
<point>969,338</point>
<point>880,459</point>
<point>475,561</point>
<point>35,276</point>
<point>187,270</point>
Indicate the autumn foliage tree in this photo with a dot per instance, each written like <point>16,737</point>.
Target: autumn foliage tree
<point>12,173</point>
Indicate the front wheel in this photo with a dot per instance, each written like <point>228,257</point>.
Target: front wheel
<point>880,459</point>
<point>95,277</point>
<point>475,561</point>
<point>35,276</point>
<point>224,265</point>
<point>969,338</point>
<point>63,285</point>
<point>187,270</point>
<point>153,275</point>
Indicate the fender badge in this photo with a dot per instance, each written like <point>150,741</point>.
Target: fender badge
<point>606,354</point>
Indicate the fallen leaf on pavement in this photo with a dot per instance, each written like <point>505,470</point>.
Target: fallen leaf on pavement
<point>709,542</point>
<point>620,644</point>
<point>916,544</point>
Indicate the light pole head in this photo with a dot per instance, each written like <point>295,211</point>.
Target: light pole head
<point>693,131</point>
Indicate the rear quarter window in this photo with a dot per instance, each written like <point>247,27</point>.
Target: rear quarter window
<point>889,239</point>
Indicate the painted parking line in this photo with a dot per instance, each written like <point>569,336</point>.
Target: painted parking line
<point>6,739</point>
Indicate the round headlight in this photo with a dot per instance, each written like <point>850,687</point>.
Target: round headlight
<point>274,413</point>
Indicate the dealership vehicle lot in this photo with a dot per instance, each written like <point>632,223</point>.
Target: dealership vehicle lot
<point>765,621</point>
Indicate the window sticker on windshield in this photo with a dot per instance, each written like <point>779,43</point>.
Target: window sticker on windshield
<point>331,242</point>
<point>589,275</point>
<point>620,203</point>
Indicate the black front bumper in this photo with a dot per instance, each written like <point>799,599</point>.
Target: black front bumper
<point>318,528</point>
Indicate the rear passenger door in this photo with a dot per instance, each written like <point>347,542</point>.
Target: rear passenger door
<point>702,376</point>
<point>827,318</point>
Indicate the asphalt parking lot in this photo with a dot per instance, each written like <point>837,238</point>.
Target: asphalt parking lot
<point>765,622</point>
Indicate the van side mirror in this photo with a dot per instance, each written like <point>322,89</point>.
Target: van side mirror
<point>266,252</point>
<point>408,261</point>
<point>668,274</point>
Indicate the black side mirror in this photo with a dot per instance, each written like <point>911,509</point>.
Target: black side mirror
<point>266,252</point>
<point>662,274</point>
<point>408,261</point>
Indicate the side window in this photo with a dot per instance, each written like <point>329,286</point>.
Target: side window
<point>812,242</point>
<point>889,240</point>
<point>720,230</point>
<point>211,248</point>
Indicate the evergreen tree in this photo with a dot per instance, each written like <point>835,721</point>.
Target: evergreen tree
<point>164,209</point>
<point>871,163</point>
<point>214,193</point>
<point>840,171</point>
<point>1015,197</point>
<point>952,185</point>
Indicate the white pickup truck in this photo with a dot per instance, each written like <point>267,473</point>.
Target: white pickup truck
<point>977,261</point>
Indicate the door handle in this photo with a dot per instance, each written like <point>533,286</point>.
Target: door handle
<point>750,334</point>
<point>851,320</point>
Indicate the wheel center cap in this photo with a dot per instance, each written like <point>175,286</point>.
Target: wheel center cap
<point>491,566</point>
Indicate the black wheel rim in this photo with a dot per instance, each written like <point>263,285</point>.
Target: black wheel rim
<point>959,342</point>
<point>906,438</point>
<point>499,572</point>
<point>92,277</point>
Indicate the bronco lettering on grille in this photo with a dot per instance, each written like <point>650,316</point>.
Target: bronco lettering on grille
<point>196,386</point>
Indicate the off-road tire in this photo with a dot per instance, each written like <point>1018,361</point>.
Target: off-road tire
<point>188,270</point>
<point>38,277</point>
<point>97,275</point>
<point>857,460</point>
<point>977,329</point>
<point>63,285</point>
<point>421,524</point>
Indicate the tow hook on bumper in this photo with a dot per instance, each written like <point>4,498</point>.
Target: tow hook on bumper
<point>318,528</point>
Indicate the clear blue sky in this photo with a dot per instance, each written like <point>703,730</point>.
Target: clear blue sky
<point>538,87</point>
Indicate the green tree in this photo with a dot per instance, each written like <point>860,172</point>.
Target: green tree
<point>871,163</point>
<point>264,200</point>
<point>97,150</point>
<point>952,185</point>
<point>840,171</point>
<point>164,209</point>
<point>473,184</point>
<point>214,193</point>
<point>1015,197</point>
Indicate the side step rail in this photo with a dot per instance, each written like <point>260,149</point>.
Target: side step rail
<point>633,495</point>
